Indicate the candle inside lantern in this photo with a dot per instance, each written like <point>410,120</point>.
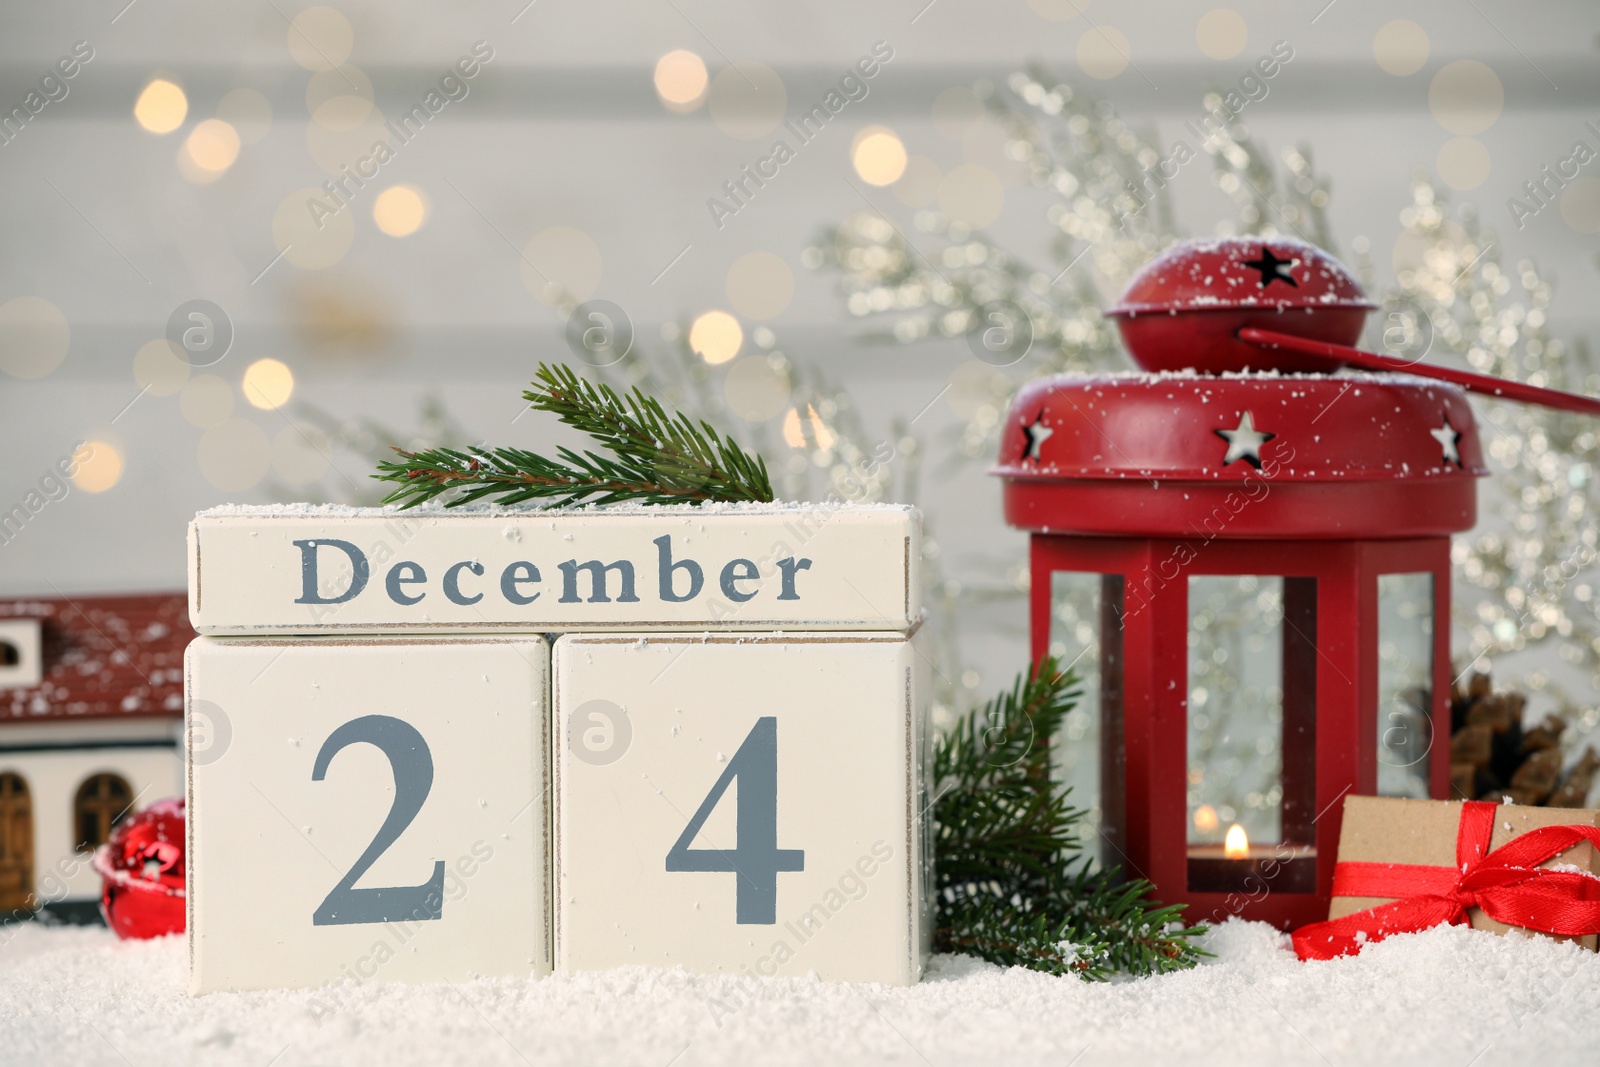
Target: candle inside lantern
<point>1236,846</point>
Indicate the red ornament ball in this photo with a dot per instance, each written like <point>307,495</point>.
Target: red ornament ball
<point>144,873</point>
<point>1185,308</point>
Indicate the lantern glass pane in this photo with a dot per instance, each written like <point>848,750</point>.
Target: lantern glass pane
<point>1087,756</point>
<point>1405,683</point>
<point>1235,767</point>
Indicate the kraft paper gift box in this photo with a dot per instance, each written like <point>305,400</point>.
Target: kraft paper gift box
<point>1396,830</point>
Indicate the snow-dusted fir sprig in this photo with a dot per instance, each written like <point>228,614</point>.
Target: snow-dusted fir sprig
<point>1013,887</point>
<point>653,457</point>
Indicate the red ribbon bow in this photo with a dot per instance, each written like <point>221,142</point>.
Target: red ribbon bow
<point>1508,884</point>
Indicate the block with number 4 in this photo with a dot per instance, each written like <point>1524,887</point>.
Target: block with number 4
<point>741,804</point>
<point>370,809</point>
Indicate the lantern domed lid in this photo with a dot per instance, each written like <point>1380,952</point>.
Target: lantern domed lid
<point>1227,273</point>
<point>1352,454</point>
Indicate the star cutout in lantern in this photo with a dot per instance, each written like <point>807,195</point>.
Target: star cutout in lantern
<point>1272,268</point>
<point>1244,442</point>
<point>1038,433</point>
<point>1448,436</point>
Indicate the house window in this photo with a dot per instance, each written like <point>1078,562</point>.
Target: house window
<point>102,800</point>
<point>20,666</point>
<point>16,844</point>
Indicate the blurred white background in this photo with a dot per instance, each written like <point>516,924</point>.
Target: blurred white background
<point>564,156</point>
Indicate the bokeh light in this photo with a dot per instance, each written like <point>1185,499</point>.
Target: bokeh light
<point>34,337</point>
<point>100,467</point>
<point>268,384</point>
<point>399,210</point>
<point>1466,96</point>
<point>1103,52</point>
<point>878,155</point>
<point>681,80</point>
<point>1463,163</point>
<point>158,369</point>
<point>339,98</point>
<point>1400,47</point>
<point>716,336</point>
<point>1221,33</point>
<point>320,38</point>
<point>1580,205</point>
<point>760,285</point>
<point>212,146</point>
<point>161,107</point>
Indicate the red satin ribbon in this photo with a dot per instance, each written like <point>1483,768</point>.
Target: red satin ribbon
<point>1508,884</point>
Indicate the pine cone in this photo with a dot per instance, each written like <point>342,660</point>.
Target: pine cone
<point>1493,758</point>
<point>1574,792</point>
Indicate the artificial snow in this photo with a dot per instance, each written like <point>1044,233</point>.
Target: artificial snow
<point>437,507</point>
<point>1448,996</point>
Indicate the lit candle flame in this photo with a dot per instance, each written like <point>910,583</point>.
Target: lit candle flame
<point>1236,846</point>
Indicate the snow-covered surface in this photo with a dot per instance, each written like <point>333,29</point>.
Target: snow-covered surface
<point>1449,996</point>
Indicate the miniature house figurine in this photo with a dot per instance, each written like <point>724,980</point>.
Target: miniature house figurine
<point>91,709</point>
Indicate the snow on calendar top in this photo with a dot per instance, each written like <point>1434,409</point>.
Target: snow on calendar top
<point>435,508</point>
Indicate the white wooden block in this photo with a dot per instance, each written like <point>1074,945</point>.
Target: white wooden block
<point>304,569</point>
<point>367,810</point>
<point>742,804</point>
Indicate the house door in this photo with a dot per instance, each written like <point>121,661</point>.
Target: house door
<point>16,843</point>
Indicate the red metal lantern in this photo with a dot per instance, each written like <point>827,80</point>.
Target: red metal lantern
<point>1251,573</point>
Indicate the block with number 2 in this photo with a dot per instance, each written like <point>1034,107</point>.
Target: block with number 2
<point>740,804</point>
<point>371,809</point>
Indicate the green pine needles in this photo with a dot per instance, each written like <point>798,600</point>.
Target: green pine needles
<point>1013,887</point>
<point>652,457</point>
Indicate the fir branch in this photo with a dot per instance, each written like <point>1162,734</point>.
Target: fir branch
<point>1013,887</point>
<point>654,457</point>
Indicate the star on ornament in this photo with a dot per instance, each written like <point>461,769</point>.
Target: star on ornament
<point>1038,433</point>
<point>1448,436</point>
<point>1244,442</point>
<point>1272,268</point>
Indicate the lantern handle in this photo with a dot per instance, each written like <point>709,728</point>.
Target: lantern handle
<point>1477,383</point>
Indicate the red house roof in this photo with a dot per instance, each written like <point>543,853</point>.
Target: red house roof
<point>103,657</point>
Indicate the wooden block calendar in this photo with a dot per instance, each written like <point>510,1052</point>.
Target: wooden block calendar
<point>722,768</point>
